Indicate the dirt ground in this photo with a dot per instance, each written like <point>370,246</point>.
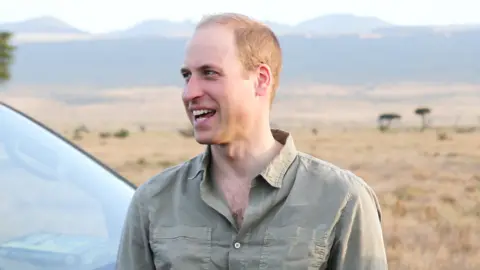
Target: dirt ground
<point>429,188</point>
<point>428,182</point>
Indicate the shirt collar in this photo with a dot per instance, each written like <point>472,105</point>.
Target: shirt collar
<point>275,170</point>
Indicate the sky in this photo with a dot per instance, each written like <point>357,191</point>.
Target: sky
<point>99,16</point>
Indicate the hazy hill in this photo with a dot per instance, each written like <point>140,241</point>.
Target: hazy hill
<point>425,57</point>
<point>341,24</point>
<point>329,24</point>
<point>40,25</point>
<point>52,29</point>
<point>155,28</point>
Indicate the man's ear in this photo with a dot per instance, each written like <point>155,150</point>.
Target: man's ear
<point>263,80</point>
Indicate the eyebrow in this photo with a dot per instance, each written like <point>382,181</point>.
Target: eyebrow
<point>200,68</point>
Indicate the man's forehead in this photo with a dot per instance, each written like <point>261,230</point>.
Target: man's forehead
<point>205,47</point>
<point>206,52</point>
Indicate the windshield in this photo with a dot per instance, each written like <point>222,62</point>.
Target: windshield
<point>59,209</point>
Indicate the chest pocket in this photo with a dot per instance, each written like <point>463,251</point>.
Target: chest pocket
<point>294,248</point>
<point>181,247</point>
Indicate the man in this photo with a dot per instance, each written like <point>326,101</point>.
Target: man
<point>251,200</point>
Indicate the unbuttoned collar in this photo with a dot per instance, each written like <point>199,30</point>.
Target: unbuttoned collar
<point>275,170</point>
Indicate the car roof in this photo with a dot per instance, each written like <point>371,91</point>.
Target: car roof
<point>56,134</point>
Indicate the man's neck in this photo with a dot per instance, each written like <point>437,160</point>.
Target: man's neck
<point>245,158</point>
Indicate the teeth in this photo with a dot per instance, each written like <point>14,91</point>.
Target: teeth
<point>200,112</point>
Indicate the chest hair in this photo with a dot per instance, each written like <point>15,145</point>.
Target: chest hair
<point>236,193</point>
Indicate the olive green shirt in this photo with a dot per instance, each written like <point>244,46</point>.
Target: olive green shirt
<point>303,213</point>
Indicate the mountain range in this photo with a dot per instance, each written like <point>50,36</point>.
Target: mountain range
<point>329,24</point>
<point>333,49</point>
<point>333,24</point>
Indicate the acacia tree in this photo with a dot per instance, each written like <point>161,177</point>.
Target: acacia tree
<point>385,119</point>
<point>6,56</point>
<point>423,112</point>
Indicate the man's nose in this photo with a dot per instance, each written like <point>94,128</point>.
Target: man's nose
<point>192,89</point>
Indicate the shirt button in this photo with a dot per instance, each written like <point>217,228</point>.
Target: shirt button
<point>237,245</point>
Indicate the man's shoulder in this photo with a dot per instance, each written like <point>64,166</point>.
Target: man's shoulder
<point>336,183</point>
<point>324,173</point>
<point>168,177</point>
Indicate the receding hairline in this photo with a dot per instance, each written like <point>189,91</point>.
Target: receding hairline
<point>229,19</point>
<point>244,28</point>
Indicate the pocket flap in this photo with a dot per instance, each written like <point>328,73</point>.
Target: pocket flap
<point>182,231</point>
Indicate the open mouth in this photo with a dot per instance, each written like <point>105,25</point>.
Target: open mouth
<point>200,115</point>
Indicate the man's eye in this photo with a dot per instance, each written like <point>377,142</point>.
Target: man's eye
<point>209,73</point>
<point>186,75</point>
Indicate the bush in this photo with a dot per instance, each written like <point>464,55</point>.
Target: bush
<point>122,133</point>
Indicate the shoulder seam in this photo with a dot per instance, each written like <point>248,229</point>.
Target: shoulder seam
<point>322,162</point>
<point>348,175</point>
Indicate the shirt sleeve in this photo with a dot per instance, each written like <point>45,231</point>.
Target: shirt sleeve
<point>359,242</point>
<point>134,251</point>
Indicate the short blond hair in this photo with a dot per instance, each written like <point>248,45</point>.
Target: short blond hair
<point>256,43</point>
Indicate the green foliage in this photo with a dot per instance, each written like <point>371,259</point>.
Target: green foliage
<point>389,116</point>
<point>79,131</point>
<point>6,56</point>
<point>122,133</point>
<point>423,112</point>
<point>385,119</point>
<point>105,135</point>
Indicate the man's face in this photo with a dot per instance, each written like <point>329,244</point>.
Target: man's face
<point>219,96</point>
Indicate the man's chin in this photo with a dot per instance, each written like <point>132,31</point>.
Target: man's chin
<point>203,137</point>
<point>203,141</point>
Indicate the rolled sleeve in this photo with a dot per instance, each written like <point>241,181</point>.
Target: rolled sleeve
<point>359,240</point>
<point>134,251</point>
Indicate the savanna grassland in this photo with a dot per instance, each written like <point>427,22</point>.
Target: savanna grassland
<point>428,182</point>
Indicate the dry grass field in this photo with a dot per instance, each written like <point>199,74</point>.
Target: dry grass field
<point>429,189</point>
<point>428,182</point>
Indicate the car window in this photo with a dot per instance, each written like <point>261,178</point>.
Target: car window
<point>58,208</point>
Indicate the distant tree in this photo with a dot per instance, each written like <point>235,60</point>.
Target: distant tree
<point>385,119</point>
<point>6,56</point>
<point>423,112</point>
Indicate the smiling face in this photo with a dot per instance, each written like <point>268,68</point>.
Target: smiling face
<point>221,99</point>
